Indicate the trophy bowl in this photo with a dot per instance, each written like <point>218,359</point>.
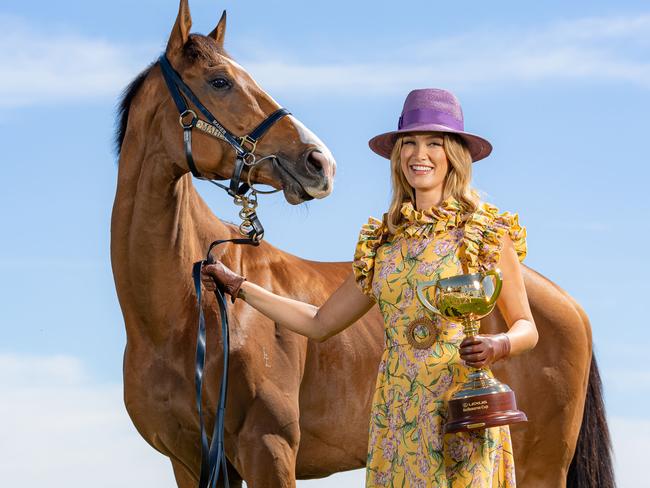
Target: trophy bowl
<point>482,401</point>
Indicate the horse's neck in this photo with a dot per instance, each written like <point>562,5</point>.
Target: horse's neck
<point>159,227</point>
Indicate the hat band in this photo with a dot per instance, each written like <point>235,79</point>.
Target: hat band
<point>428,116</point>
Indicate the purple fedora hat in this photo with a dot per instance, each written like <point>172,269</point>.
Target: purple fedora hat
<point>431,109</point>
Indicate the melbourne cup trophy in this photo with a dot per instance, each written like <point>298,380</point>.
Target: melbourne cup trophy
<point>482,401</point>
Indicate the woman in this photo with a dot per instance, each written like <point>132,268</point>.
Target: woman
<point>436,227</point>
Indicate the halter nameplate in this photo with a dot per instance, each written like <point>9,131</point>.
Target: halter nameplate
<point>210,129</point>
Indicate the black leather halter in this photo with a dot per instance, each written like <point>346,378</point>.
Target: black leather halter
<point>213,456</point>
<point>189,119</point>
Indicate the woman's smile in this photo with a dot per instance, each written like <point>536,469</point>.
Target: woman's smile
<point>421,169</point>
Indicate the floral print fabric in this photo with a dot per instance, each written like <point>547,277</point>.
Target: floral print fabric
<point>407,446</point>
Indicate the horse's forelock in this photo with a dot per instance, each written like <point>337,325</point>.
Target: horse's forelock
<point>202,48</point>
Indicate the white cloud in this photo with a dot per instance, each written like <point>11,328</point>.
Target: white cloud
<point>629,27</point>
<point>62,430</point>
<point>20,371</point>
<point>630,439</point>
<point>594,49</point>
<point>49,68</point>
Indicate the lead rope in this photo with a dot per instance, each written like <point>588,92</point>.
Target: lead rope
<point>213,456</point>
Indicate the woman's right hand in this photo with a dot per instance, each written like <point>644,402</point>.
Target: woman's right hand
<point>221,275</point>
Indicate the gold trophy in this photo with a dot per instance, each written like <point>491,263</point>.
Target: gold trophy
<point>482,401</point>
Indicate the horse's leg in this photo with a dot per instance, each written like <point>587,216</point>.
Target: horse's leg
<point>184,478</point>
<point>268,443</point>
<point>234,480</point>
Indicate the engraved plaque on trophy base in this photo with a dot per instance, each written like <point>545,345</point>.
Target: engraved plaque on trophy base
<point>483,411</point>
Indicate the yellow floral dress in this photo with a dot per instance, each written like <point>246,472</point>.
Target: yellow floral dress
<point>407,446</point>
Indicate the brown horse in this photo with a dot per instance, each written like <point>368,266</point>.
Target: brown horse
<point>296,408</point>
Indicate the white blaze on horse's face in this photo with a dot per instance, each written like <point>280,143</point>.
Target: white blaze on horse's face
<point>304,164</point>
<point>308,138</point>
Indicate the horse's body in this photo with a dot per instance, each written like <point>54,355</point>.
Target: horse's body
<point>296,408</point>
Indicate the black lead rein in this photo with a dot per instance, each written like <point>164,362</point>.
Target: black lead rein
<point>213,456</point>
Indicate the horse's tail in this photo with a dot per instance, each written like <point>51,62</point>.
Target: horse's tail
<point>591,466</point>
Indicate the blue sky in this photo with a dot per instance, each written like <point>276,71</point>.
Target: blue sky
<point>560,88</point>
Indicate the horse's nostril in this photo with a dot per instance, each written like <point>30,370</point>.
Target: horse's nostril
<point>316,161</point>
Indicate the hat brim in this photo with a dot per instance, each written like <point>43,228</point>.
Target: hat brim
<point>382,144</point>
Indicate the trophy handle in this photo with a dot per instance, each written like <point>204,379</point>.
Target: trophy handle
<point>423,299</point>
<point>498,283</point>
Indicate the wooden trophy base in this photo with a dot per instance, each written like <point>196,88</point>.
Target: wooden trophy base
<point>483,411</point>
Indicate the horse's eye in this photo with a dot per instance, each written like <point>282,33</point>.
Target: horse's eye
<point>220,83</point>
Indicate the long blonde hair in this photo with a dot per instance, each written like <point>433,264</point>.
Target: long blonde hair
<point>457,180</point>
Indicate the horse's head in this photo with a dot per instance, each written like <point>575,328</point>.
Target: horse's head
<point>303,168</point>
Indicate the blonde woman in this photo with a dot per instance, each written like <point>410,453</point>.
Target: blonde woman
<point>436,227</point>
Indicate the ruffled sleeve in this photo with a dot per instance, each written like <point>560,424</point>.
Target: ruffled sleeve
<point>484,231</point>
<point>370,238</point>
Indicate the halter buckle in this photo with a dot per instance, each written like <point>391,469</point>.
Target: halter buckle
<point>243,140</point>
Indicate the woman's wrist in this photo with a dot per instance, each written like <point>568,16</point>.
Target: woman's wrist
<point>242,290</point>
<point>502,346</point>
<point>523,336</point>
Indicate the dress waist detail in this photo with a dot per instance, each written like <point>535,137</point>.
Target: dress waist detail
<point>416,330</point>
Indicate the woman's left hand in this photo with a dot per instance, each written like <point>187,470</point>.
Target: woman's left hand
<point>483,350</point>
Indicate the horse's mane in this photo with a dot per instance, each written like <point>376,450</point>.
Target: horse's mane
<point>197,47</point>
<point>124,106</point>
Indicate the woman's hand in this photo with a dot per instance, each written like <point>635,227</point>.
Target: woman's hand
<point>219,274</point>
<point>483,350</point>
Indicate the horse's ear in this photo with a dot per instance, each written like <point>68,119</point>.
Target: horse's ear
<point>219,31</point>
<point>181,30</point>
